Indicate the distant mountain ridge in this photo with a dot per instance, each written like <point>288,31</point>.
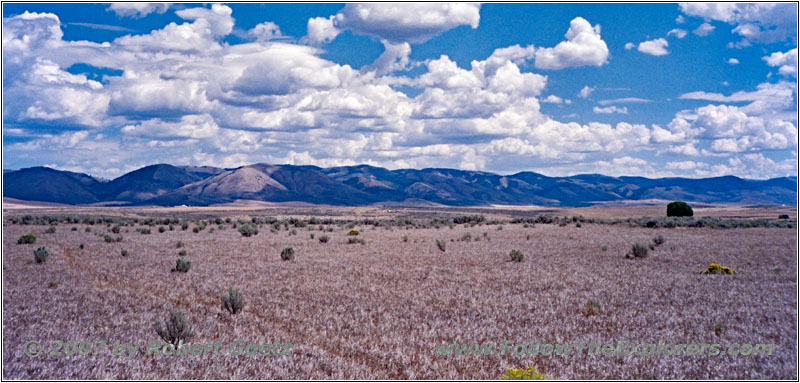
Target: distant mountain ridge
<point>168,185</point>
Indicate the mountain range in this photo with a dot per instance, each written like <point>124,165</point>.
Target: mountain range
<point>167,185</point>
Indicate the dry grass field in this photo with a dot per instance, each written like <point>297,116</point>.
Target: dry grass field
<point>377,310</point>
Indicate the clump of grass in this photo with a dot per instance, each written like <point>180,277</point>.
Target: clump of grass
<point>353,232</point>
<point>52,284</point>
<point>604,247</point>
<point>176,328</point>
<point>41,254</point>
<point>182,265</point>
<point>182,253</point>
<point>638,250</point>
<point>124,253</point>
<point>516,255</point>
<point>593,307</point>
<point>719,328</point>
<point>287,254</point>
<point>717,269</point>
<point>26,239</point>
<point>441,244</point>
<point>466,237</point>
<point>74,228</point>
<point>500,227</point>
<point>577,224</point>
<point>115,229</point>
<point>143,230</point>
<point>529,373</point>
<point>658,240</point>
<point>353,240</point>
<point>324,238</point>
<point>162,229</point>
<point>311,235</point>
<point>232,300</point>
<point>50,230</point>
<point>248,230</point>
<point>179,244</point>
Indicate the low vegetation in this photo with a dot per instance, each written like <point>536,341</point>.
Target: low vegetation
<point>638,250</point>
<point>529,373</point>
<point>182,265</point>
<point>516,255</point>
<point>287,254</point>
<point>26,239</point>
<point>232,300</point>
<point>41,254</point>
<point>176,328</point>
<point>717,269</point>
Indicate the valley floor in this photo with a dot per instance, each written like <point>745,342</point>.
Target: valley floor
<point>378,310</point>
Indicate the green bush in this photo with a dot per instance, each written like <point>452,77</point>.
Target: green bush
<point>179,244</point>
<point>124,253</point>
<point>182,253</point>
<point>27,239</point>
<point>323,238</point>
<point>353,232</point>
<point>658,240</point>
<point>679,209</point>
<point>783,216</point>
<point>115,229</point>
<point>182,265</point>
<point>162,229</point>
<point>529,373</point>
<point>232,300</point>
<point>717,269</point>
<point>248,230</point>
<point>40,255</point>
<point>287,254</point>
<point>109,238</point>
<point>441,244</point>
<point>176,328</point>
<point>50,230</point>
<point>516,255</point>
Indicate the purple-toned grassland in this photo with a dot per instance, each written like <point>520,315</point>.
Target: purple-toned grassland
<point>377,310</point>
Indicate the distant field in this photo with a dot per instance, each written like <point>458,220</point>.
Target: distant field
<point>377,310</point>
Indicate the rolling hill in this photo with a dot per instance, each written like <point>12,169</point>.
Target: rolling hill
<point>167,185</point>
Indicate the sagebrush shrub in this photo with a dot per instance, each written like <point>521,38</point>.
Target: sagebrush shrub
<point>466,237</point>
<point>40,255</point>
<point>124,253</point>
<point>441,244</point>
<point>232,300</point>
<point>353,232</point>
<point>182,265</point>
<point>109,238</point>
<point>162,229</point>
<point>176,328</point>
<point>516,255</point>
<point>353,240</point>
<point>50,230</point>
<point>26,239</point>
<point>248,230</point>
<point>179,244</point>
<point>287,254</point>
<point>115,229</point>
<point>182,253</point>
<point>658,240</point>
<point>638,250</point>
<point>323,238</point>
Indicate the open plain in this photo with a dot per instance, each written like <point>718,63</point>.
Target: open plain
<point>377,310</point>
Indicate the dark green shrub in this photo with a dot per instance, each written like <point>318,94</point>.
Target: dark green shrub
<point>50,230</point>
<point>182,265</point>
<point>82,246</point>
<point>109,238</point>
<point>162,229</point>
<point>27,239</point>
<point>232,300</point>
<point>248,230</point>
<point>679,209</point>
<point>516,255</point>
<point>323,238</point>
<point>40,255</point>
<point>287,254</point>
<point>783,216</point>
<point>441,244</point>
<point>658,240</point>
<point>182,253</point>
<point>144,230</point>
<point>179,244</point>
<point>115,229</point>
<point>176,328</point>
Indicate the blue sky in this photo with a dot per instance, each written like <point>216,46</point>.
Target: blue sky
<point>691,90</point>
